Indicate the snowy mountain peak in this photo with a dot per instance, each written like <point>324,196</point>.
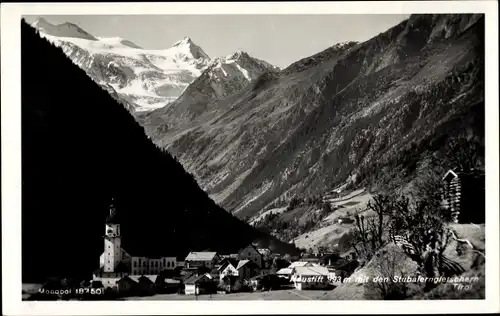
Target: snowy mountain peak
<point>118,41</point>
<point>186,41</point>
<point>188,48</point>
<point>41,22</point>
<point>149,79</point>
<point>144,78</point>
<point>237,55</point>
<point>62,30</point>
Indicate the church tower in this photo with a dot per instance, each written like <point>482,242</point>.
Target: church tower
<point>112,241</point>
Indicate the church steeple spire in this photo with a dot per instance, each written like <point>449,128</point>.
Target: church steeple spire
<point>112,240</point>
<point>112,218</point>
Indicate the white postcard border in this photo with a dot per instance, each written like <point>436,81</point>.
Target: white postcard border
<point>11,161</point>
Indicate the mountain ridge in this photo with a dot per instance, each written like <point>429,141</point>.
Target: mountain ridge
<point>309,127</point>
<point>144,79</point>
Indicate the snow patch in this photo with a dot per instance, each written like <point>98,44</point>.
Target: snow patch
<point>244,72</point>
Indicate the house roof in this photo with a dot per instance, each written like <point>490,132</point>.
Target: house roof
<point>473,173</point>
<point>228,261</point>
<point>127,279</point>
<point>188,277</point>
<point>298,264</point>
<point>173,281</point>
<point>311,270</point>
<point>242,263</point>
<point>153,278</point>
<point>144,278</point>
<point>214,271</point>
<point>331,255</point>
<point>195,278</point>
<point>249,246</point>
<point>449,175</point>
<point>201,256</point>
<point>230,256</point>
<point>257,277</point>
<point>261,276</point>
<point>284,271</point>
<point>339,262</point>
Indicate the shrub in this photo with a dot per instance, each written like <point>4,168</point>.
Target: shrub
<point>388,263</point>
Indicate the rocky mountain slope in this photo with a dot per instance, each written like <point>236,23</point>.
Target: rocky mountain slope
<point>374,110</point>
<point>222,78</point>
<point>74,161</point>
<point>146,79</point>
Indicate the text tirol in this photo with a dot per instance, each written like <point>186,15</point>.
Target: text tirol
<point>319,278</point>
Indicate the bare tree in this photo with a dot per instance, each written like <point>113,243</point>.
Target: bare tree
<point>370,231</point>
<point>421,228</point>
<point>390,263</point>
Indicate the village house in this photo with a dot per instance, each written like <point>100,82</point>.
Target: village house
<point>127,286</point>
<point>339,272</point>
<point>115,262</point>
<point>311,278</point>
<point>332,259</point>
<point>247,269</point>
<point>146,283</point>
<point>199,284</point>
<point>287,272</point>
<point>230,256</point>
<point>463,194</point>
<point>265,282</point>
<point>228,268</point>
<point>345,220</point>
<point>169,286</point>
<point>251,253</point>
<point>238,269</point>
<point>229,274</point>
<point>138,285</point>
<point>95,284</point>
<point>202,259</point>
<point>215,272</point>
<point>315,260</point>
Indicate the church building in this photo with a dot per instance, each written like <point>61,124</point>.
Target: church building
<point>116,262</point>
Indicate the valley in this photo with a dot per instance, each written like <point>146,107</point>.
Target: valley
<point>362,150</point>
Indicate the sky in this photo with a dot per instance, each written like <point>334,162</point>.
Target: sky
<point>277,39</point>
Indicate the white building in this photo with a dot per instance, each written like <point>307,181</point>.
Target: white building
<point>228,268</point>
<point>288,271</point>
<point>116,263</point>
<point>310,278</point>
